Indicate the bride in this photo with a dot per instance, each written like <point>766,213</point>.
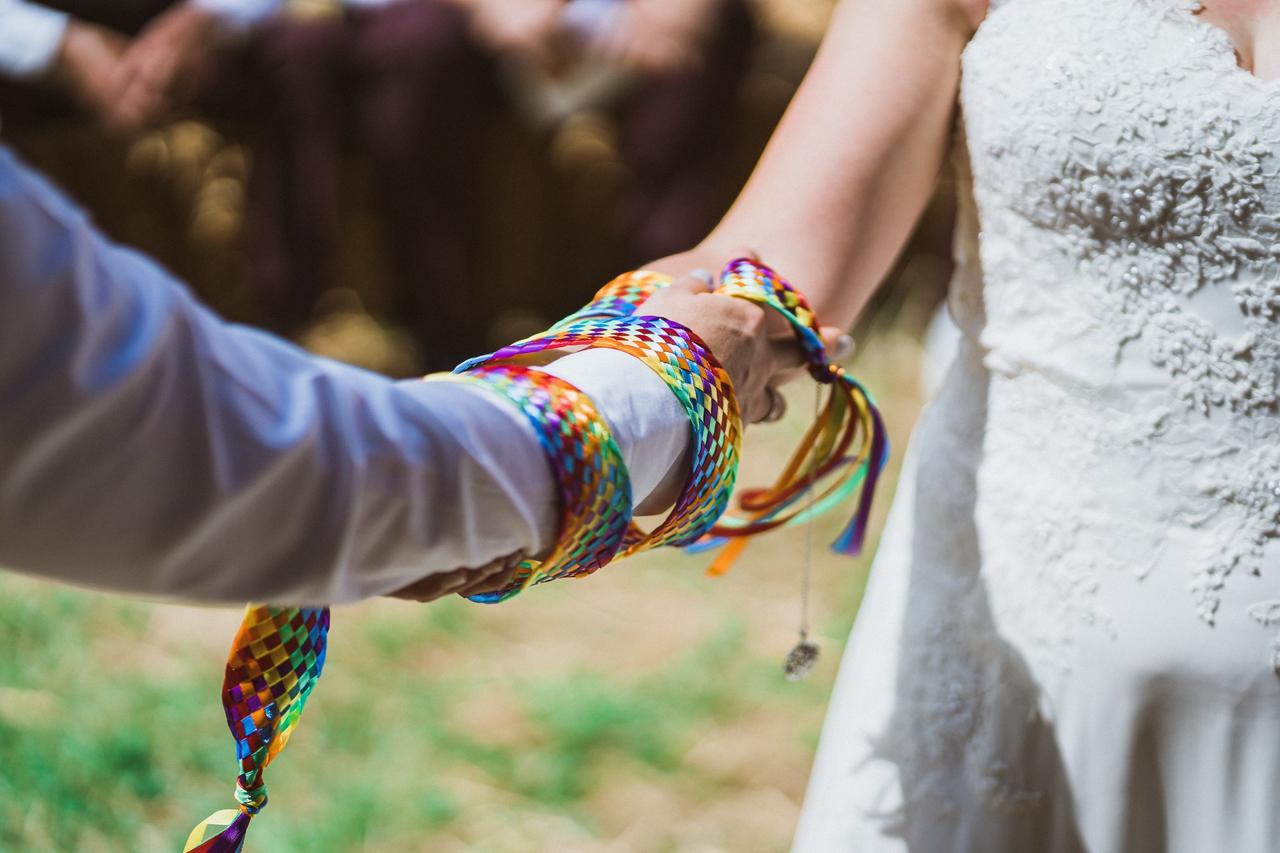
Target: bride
<point>1071,640</point>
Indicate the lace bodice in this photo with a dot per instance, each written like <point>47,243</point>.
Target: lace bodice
<point>1069,642</point>
<point>1126,175</point>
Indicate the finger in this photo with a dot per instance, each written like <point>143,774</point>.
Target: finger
<point>432,587</point>
<point>499,579</point>
<point>677,293</point>
<point>698,281</point>
<point>756,404</point>
<point>839,345</point>
<point>494,583</point>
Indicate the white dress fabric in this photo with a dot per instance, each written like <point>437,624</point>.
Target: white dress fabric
<point>1070,640</point>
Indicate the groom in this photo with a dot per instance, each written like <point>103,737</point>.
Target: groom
<point>148,447</point>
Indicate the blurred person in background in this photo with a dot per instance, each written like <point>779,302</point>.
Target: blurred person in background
<point>409,84</point>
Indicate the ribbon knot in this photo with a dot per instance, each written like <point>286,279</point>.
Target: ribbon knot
<point>251,800</point>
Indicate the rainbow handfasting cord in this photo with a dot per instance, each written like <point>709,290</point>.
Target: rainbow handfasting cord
<point>279,652</point>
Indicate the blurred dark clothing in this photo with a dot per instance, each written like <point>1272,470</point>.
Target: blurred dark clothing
<point>409,87</point>
<point>405,86</point>
<point>127,16</point>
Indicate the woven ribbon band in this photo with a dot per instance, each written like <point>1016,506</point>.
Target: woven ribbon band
<point>278,653</point>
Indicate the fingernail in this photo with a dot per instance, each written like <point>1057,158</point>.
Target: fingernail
<point>703,275</point>
<point>844,347</point>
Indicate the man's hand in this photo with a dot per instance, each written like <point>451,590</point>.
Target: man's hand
<point>162,67</point>
<point>491,578</point>
<point>86,63</point>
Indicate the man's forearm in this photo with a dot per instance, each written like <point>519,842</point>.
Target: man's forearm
<point>149,447</point>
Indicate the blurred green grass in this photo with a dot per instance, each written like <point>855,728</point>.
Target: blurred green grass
<point>640,710</point>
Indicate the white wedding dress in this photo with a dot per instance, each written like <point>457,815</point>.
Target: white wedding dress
<point>1070,640</point>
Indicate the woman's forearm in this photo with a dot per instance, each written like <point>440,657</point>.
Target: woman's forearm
<point>853,162</point>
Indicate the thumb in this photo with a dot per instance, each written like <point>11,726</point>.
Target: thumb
<point>697,281</point>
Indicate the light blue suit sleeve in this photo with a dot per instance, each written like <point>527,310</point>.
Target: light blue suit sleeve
<point>149,447</point>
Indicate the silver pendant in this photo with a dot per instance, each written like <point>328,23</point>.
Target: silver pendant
<point>800,660</point>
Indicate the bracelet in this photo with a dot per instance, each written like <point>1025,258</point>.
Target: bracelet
<point>701,385</point>
<point>594,486</point>
<point>619,297</point>
<point>826,448</point>
<point>278,653</point>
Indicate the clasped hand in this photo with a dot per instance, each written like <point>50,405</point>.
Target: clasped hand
<point>759,354</point>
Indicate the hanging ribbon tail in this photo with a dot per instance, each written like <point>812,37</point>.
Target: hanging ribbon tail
<point>853,536</point>
<point>228,827</point>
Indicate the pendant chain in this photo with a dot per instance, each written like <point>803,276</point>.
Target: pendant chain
<point>806,572</point>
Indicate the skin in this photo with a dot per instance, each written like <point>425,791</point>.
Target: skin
<point>894,69</point>
<point>84,65</point>
<point>855,158</point>
<point>1254,29</point>
<point>163,65</point>
<point>754,360</point>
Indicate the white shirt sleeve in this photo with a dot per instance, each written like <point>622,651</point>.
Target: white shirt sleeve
<point>149,447</point>
<point>30,37</point>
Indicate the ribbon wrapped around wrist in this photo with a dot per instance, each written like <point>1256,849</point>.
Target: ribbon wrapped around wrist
<point>594,486</point>
<point>698,381</point>
<point>279,653</point>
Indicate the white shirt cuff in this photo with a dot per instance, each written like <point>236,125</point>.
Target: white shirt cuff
<point>647,421</point>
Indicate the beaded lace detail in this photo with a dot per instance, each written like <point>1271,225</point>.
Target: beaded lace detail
<point>1127,186</point>
<point>1135,168</point>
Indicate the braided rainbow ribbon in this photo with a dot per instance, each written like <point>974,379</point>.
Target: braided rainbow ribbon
<point>698,381</point>
<point>827,454</point>
<point>279,653</point>
<point>828,446</point>
<point>275,661</point>
<point>595,488</point>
